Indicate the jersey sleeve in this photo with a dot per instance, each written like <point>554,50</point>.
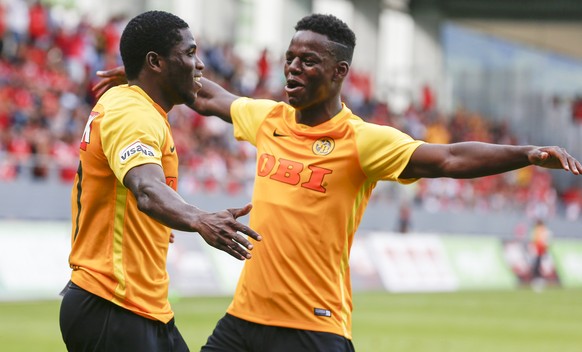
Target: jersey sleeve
<point>133,139</point>
<point>384,151</point>
<point>247,115</point>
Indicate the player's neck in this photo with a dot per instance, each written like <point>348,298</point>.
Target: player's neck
<point>318,114</point>
<point>154,92</point>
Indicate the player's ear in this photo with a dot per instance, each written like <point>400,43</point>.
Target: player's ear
<point>153,61</point>
<point>341,70</point>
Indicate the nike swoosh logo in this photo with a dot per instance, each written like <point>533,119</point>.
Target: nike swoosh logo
<point>172,148</point>
<point>275,134</point>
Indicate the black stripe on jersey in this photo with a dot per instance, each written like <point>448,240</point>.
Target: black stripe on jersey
<point>79,191</point>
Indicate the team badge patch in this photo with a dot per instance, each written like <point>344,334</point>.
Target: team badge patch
<point>136,148</point>
<point>323,146</point>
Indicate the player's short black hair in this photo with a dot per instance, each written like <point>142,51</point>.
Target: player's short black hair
<point>156,31</point>
<point>335,30</point>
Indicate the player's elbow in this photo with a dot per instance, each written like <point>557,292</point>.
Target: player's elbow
<point>145,198</point>
<point>144,203</point>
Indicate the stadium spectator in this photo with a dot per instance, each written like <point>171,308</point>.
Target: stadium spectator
<point>539,240</point>
<point>404,218</point>
<point>317,166</point>
<point>577,110</point>
<point>38,24</point>
<point>125,200</point>
<point>2,25</point>
<point>17,24</point>
<point>572,198</point>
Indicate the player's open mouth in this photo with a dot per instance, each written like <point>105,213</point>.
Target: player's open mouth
<point>292,86</point>
<point>197,81</point>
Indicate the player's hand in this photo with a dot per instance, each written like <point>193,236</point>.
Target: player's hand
<point>555,158</point>
<point>222,231</point>
<point>109,79</point>
<point>172,237</point>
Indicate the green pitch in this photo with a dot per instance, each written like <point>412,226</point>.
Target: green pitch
<point>513,321</point>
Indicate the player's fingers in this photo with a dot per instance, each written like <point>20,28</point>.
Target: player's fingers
<point>251,233</point>
<point>238,212</point>
<point>100,87</point>
<point>116,71</point>
<point>242,228</point>
<point>242,251</point>
<point>562,156</point>
<point>233,243</point>
<point>105,73</point>
<point>243,241</point>
<point>567,161</point>
<point>575,165</point>
<point>236,251</point>
<point>553,158</point>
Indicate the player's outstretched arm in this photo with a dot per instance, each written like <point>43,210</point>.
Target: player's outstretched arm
<point>476,159</point>
<point>219,229</point>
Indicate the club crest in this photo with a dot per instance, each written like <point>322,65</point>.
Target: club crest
<point>323,146</point>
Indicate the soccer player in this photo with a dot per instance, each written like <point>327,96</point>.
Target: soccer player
<point>124,199</point>
<point>317,164</point>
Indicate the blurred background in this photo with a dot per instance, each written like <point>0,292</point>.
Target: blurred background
<point>440,70</point>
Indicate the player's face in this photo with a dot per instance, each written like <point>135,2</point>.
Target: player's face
<point>184,70</point>
<point>309,70</point>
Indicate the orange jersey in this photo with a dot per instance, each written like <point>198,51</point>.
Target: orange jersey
<point>118,252</point>
<point>312,186</point>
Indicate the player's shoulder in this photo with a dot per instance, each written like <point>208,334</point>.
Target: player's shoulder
<point>369,133</point>
<point>116,92</point>
<point>260,107</point>
<point>361,125</point>
<point>127,98</point>
<point>125,95</point>
<point>128,107</point>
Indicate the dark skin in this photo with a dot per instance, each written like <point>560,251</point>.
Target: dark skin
<point>314,80</point>
<point>170,80</point>
<point>219,229</point>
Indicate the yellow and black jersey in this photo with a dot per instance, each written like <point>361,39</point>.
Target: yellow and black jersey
<point>118,252</point>
<point>312,185</point>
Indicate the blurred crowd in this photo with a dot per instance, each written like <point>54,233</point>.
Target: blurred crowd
<point>47,69</point>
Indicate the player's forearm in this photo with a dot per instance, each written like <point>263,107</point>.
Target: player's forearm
<point>476,159</point>
<point>158,200</point>
<point>162,203</point>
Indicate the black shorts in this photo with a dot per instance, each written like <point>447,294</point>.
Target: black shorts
<point>234,334</point>
<point>91,323</point>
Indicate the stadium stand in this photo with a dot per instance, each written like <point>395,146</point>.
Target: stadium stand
<point>46,74</point>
